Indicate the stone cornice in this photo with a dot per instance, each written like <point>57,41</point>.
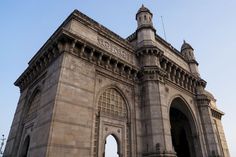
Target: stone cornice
<point>146,26</point>
<point>47,55</point>
<point>132,37</point>
<point>217,113</point>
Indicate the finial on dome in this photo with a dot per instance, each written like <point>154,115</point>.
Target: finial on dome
<point>186,45</point>
<point>143,9</point>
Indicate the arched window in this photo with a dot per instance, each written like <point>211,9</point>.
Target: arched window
<point>140,19</point>
<point>25,147</point>
<point>111,147</point>
<point>34,103</point>
<point>112,103</point>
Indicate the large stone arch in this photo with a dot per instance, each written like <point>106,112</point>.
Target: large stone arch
<point>186,109</point>
<point>28,119</point>
<point>32,94</point>
<point>184,128</point>
<point>34,102</point>
<point>113,118</point>
<point>120,91</point>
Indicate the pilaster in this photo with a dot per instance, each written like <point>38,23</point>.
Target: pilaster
<point>156,130</point>
<point>212,144</point>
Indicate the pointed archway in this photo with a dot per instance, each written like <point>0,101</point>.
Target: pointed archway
<point>111,147</point>
<point>183,130</point>
<point>112,121</point>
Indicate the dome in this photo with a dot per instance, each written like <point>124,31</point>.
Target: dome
<point>143,9</point>
<point>208,94</point>
<point>186,46</point>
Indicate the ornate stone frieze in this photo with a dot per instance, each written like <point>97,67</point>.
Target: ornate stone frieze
<point>108,61</point>
<point>112,48</point>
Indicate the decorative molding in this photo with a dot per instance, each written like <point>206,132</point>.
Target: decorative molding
<point>112,48</point>
<point>203,100</point>
<point>38,66</point>
<point>180,76</point>
<point>149,50</point>
<point>152,73</point>
<point>216,113</point>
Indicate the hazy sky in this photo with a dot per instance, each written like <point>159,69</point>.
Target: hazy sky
<point>208,25</point>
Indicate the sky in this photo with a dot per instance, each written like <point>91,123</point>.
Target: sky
<point>208,25</point>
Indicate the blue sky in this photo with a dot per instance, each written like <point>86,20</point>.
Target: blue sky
<point>209,26</point>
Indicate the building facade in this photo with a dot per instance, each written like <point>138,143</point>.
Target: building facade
<point>87,83</point>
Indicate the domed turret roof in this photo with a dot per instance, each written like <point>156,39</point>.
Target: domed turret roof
<point>208,94</point>
<point>143,9</point>
<point>186,46</point>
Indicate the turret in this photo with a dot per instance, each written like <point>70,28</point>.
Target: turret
<point>145,30</point>
<point>144,17</point>
<point>188,53</point>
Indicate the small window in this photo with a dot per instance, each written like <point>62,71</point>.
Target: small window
<point>145,17</point>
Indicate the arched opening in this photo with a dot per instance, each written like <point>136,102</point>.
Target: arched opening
<point>25,147</point>
<point>111,147</point>
<point>183,129</point>
<point>145,17</point>
<point>112,119</point>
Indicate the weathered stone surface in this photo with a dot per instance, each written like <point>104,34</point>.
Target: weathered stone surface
<point>88,83</point>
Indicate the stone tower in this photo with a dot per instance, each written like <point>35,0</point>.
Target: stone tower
<point>87,83</point>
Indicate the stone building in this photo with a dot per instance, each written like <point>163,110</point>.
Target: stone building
<point>87,83</point>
